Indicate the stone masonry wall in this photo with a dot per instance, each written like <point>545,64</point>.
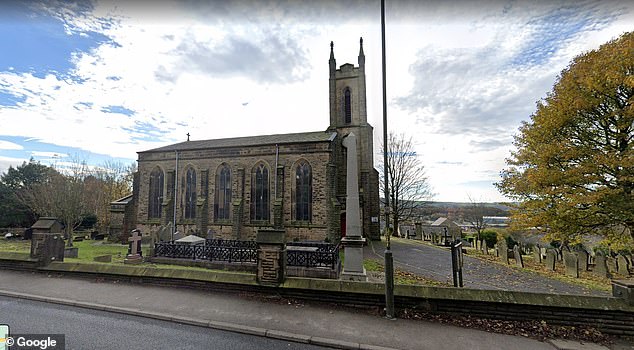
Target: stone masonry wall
<point>316,154</point>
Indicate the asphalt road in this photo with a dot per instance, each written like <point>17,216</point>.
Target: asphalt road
<point>435,263</point>
<point>93,329</point>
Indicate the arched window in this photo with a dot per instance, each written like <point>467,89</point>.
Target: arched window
<point>190,194</point>
<point>260,193</point>
<point>222,206</point>
<point>303,192</point>
<point>156,193</point>
<point>347,106</point>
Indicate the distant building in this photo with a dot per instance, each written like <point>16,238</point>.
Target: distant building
<point>496,221</point>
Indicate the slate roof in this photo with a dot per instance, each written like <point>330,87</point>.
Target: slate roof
<point>124,200</point>
<point>444,222</point>
<point>45,223</point>
<point>303,137</point>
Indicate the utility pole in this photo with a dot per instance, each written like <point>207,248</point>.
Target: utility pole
<point>389,260</point>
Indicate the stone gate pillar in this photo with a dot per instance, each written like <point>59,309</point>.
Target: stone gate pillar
<point>271,257</point>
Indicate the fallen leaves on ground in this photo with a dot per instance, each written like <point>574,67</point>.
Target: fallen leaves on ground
<point>540,330</point>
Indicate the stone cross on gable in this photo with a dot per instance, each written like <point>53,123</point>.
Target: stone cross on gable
<point>135,241</point>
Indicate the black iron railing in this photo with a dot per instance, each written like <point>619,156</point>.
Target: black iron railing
<point>212,250</point>
<point>308,254</point>
<point>304,254</point>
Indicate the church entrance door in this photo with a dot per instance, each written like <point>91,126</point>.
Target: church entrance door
<point>342,220</point>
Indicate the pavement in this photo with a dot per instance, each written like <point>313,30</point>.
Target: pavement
<point>267,316</point>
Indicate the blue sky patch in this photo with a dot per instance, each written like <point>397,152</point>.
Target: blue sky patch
<point>118,109</point>
<point>144,131</point>
<point>38,42</point>
<point>10,100</point>
<point>44,152</point>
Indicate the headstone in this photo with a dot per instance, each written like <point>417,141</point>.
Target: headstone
<point>537,254</point>
<point>211,233</point>
<point>71,252</point>
<point>611,262</point>
<point>622,265</point>
<point>178,235</point>
<point>165,233</point>
<point>483,245</point>
<point>47,247</point>
<point>571,262</point>
<point>517,253</point>
<point>551,258</point>
<point>134,256</point>
<point>419,231</point>
<point>582,255</point>
<point>103,258</point>
<point>503,251</point>
<point>600,265</point>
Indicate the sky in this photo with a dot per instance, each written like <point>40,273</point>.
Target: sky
<point>100,81</point>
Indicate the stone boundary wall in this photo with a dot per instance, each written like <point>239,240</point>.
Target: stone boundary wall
<point>609,314</point>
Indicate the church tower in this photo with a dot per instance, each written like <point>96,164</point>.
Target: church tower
<point>348,113</point>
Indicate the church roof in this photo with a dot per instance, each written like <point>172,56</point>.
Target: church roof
<point>302,137</point>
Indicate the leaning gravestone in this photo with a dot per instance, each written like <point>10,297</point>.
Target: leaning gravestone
<point>611,262</point>
<point>537,254</point>
<point>571,261</point>
<point>601,266</point>
<point>582,255</point>
<point>483,245</point>
<point>517,254</point>
<point>503,251</point>
<point>622,265</point>
<point>551,258</point>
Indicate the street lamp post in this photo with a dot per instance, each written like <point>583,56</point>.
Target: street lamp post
<point>389,261</point>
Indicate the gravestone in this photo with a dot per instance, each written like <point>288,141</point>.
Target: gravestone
<point>47,247</point>
<point>211,234</point>
<point>571,262</point>
<point>419,231</point>
<point>178,235</point>
<point>551,258</point>
<point>517,254</point>
<point>622,265</point>
<point>103,258</point>
<point>537,254</point>
<point>611,262</point>
<point>601,266</point>
<point>503,251</point>
<point>582,255</point>
<point>165,233</point>
<point>485,249</point>
<point>71,252</point>
<point>134,255</point>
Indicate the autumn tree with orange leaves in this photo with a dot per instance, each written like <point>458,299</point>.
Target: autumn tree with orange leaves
<point>573,170</point>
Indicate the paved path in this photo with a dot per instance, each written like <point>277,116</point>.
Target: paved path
<point>435,263</point>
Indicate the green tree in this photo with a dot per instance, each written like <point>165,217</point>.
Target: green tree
<point>13,211</point>
<point>573,170</point>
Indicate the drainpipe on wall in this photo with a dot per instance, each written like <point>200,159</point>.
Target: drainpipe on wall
<point>175,194</point>
<point>277,156</point>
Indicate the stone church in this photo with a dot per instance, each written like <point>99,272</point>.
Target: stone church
<point>230,188</point>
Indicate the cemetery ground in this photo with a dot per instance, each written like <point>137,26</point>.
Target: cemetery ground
<point>482,271</point>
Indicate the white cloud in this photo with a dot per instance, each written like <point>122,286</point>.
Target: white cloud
<point>6,145</point>
<point>457,80</point>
